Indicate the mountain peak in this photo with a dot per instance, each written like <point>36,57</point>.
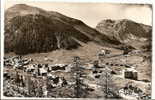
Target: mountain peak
<point>115,21</point>
<point>20,7</point>
<point>125,30</point>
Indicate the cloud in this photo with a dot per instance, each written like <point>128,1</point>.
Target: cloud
<point>141,14</point>
<point>92,13</point>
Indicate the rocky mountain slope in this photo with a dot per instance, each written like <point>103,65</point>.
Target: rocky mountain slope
<point>126,31</point>
<point>30,29</point>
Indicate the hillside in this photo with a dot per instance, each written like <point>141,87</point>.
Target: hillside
<point>30,29</point>
<point>126,31</point>
<point>30,36</point>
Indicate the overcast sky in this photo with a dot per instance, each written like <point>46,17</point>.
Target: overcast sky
<point>92,13</point>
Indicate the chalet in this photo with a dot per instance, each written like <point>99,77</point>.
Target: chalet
<point>57,67</point>
<point>30,68</point>
<point>42,72</point>
<point>130,73</point>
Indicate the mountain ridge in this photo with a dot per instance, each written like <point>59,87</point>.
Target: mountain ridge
<point>64,32</point>
<point>126,31</point>
<point>16,22</point>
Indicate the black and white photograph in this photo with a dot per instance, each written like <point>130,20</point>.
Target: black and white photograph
<point>77,50</point>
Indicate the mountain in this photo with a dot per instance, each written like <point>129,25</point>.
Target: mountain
<point>31,29</point>
<point>127,32</point>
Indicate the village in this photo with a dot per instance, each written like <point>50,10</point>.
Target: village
<point>96,79</point>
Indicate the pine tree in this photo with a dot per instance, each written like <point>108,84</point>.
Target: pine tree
<point>78,72</point>
<point>107,84</point>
